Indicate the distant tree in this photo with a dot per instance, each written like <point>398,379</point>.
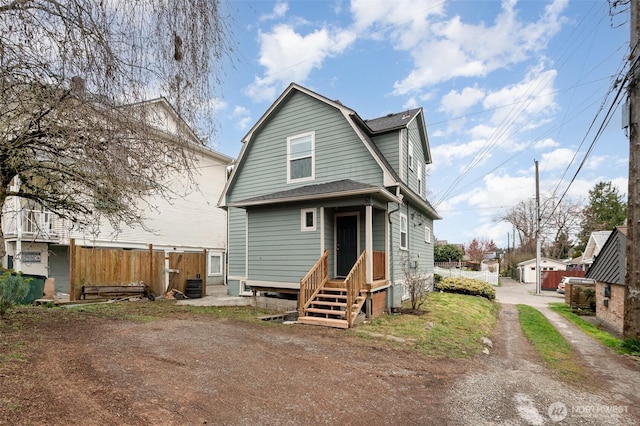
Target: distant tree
<point>556,218</point>
<point>605,210</point>
<point>73,77</point>
<point>447,253</point>
<point>477,248</point>
<point>523,218</point>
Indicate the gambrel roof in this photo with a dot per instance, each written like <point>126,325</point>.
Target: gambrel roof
<point>363,129</point>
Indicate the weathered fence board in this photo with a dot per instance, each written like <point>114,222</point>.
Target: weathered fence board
<point>103,266</point>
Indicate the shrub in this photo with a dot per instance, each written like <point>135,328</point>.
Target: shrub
<point>467,286</point>
<point>13,287</point>
<point>632,345</point>
<point>437,278</point>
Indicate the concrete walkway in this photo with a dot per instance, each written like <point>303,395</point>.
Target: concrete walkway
<point>217,296</point>
<point>513,292</point>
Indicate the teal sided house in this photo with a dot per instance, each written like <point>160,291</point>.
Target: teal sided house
<point>331,207</point>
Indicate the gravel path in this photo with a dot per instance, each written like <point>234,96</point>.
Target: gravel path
<point>516,389</point>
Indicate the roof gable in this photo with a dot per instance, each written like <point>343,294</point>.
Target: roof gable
<point>609,266</point>
<point>594,245</point>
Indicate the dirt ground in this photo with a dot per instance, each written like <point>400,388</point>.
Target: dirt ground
<point>193,369</point>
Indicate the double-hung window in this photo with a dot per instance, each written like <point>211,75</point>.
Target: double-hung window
<point>403,231</point>
<point>301,157</point>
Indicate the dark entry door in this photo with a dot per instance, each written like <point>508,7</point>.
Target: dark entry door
<point>346,244</point>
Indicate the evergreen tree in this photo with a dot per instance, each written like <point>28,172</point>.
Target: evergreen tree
<point>605,210</point>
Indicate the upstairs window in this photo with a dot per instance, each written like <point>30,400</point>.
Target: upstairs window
<point>420,180</point>
<point>301,158</point>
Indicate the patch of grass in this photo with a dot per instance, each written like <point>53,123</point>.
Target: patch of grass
<point>9,405</point>
<point>554,350</point>
<point>146,311</point>
<point>453,325</point>
<point>13,356</point>
<point>589,329</point>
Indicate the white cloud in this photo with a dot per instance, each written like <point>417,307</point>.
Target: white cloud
<point>463,50</point>
<point>279,10</point>
<point>458,102</point>
<point>546,143</point>
<point>289,56</point>
<point>445,155</point>
<point>241,117</point>
<point>557,159</point>
<point>406,20</point>
<point>529,99</point>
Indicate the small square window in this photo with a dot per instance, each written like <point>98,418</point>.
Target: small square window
<point>307,220</point>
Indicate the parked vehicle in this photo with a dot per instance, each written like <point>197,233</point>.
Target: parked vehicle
<point>575,281</point>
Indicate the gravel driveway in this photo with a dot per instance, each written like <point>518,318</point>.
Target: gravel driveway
<point>516,389</point>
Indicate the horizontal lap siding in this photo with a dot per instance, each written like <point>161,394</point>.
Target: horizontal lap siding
<point>237,244</point>
<point>339,152</point>
<point>418,157</point>
<point>378,230</point>
<point>388,145</point>
<point>278,250</point>
<point>418,249</point>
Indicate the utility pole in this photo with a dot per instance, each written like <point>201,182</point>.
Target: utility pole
<point>631,325</point>
<point>538,240</point>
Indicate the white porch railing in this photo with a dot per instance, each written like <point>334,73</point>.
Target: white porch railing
<point>34,223</point>
<point>486,276</point>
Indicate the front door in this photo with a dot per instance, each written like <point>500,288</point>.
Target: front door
<point>346,244</point>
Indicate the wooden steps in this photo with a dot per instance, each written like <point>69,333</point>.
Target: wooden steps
<point>329,308</point>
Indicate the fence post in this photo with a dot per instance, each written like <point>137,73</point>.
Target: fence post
<point>151,267</point>
<point>204,273</point>
<point>72,269</point>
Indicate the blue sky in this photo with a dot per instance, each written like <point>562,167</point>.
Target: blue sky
<point>502,84</point>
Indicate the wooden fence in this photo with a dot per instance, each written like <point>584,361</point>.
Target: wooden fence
<point>105,266</point>
<point>549,280</point>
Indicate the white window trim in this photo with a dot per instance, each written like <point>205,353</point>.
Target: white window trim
<point>411,159</point>
<point>242,291</point>
<point>406,232</point>
<point>427,234</point>
<point>211,260</point>
<point>420,180</point>
<point>313,157</point>
<point>303,220</point>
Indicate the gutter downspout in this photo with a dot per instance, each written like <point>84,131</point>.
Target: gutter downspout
<point>391,243</point>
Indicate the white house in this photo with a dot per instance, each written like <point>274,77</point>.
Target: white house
<point>37,242</point>
<point>527,272</point>
<point>597,239</point>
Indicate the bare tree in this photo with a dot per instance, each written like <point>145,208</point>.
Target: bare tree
<point>523,218</point>
<point>74,76</point>
<point>417,282</point>
<point>559,221</point>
